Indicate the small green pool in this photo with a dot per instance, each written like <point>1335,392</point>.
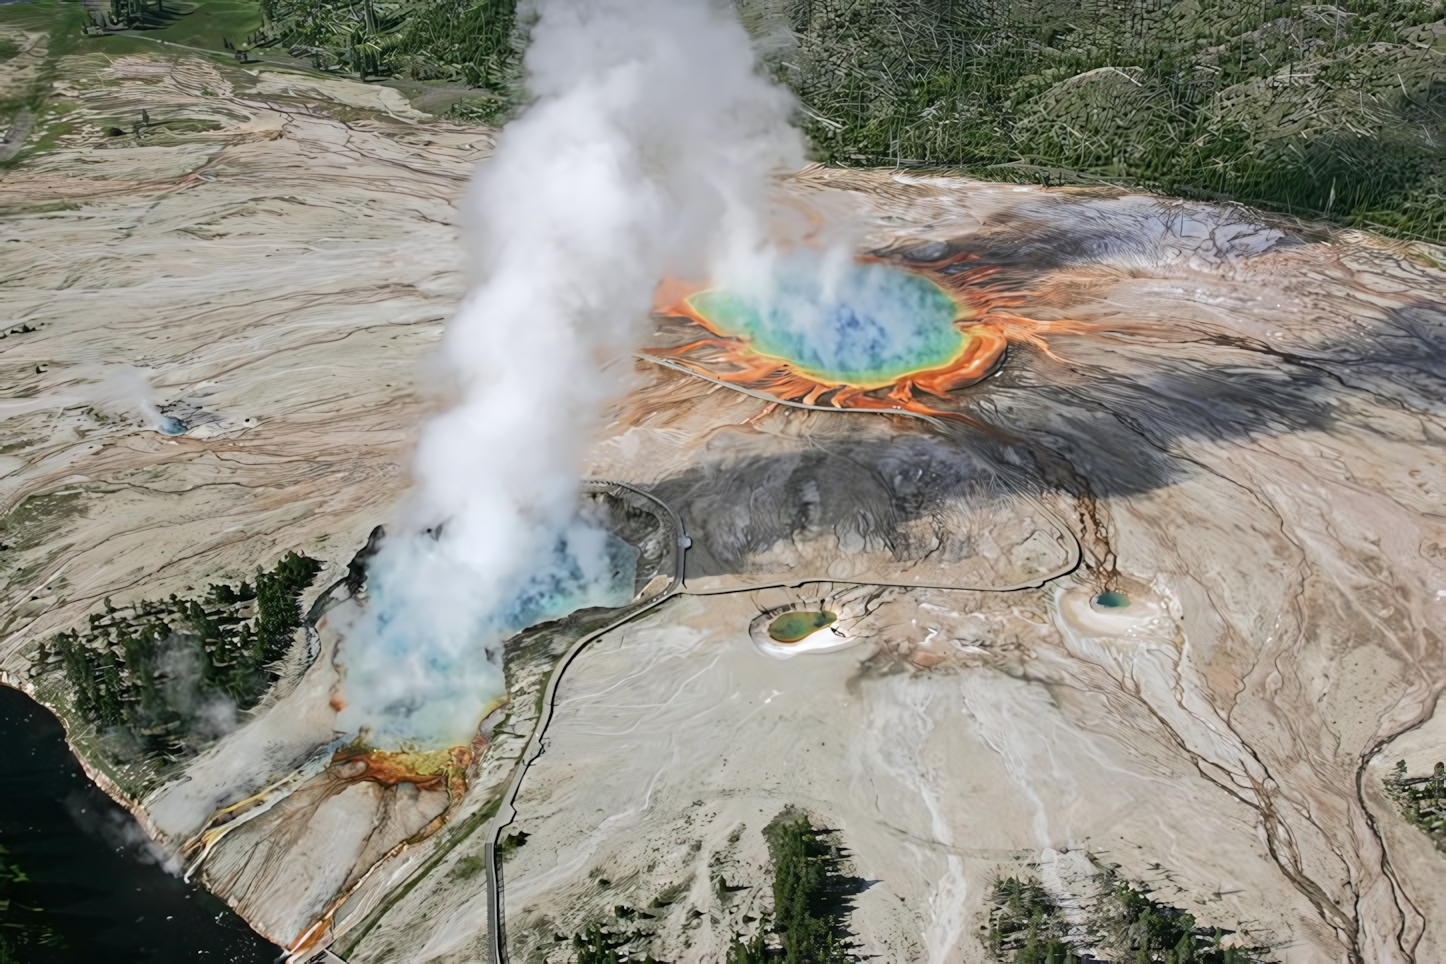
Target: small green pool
<point>791,627</point>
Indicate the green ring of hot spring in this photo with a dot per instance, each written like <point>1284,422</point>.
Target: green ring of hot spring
<point>868,325</point>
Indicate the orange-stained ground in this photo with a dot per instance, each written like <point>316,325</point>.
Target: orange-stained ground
<point>430,770</point>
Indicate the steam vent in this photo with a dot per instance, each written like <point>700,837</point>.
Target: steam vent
<point>456,526</point>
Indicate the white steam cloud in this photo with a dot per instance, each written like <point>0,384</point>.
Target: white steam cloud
<point>128,391</point>
<point>648,151</point>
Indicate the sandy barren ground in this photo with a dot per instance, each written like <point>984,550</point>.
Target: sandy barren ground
<point>1245,443</point>
<point>275,254</point>
<point>1245,438</point>
<point>278,276</point>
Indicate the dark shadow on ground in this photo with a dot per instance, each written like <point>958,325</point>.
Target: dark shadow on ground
<point>1108,421</point>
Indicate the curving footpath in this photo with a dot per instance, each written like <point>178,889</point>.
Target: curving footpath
<point>507,812</point>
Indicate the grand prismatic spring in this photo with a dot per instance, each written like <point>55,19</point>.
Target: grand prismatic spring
<point>1054,570</point>
<point>867,333</point>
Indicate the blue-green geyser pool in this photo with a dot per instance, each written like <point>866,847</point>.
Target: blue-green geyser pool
<point>1111,599</point>
<point>858,323</point>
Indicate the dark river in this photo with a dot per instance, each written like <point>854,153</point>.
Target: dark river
<point>76,881</point>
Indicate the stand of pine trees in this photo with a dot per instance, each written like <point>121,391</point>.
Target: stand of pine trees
<point>150,669</point>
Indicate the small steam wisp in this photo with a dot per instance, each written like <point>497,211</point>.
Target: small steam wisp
<point>648,151</point>
<point>129,391</point>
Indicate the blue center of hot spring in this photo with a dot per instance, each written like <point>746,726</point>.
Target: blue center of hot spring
<point>858,324</point>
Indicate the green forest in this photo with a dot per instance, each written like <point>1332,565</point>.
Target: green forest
<point>165,674</point>
<point>458,40</point>
<point>1327,112</point>
<point>812,898</point>
<point>1421,799</point>
<point>1332,112</point>
<point>1120,922</point>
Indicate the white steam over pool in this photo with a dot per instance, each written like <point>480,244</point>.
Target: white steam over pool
<point>647,151</point>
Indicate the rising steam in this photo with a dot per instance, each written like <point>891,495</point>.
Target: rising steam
<point>128,391</point>
<point>647,151</point>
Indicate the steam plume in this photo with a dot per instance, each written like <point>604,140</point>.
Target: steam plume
<point>129,391</point>
<point>647,151</point>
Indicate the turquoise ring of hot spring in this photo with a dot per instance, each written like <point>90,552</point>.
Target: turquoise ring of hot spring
<point>813,328</point>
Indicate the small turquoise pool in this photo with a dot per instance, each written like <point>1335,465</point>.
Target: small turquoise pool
<point>1110,599</point>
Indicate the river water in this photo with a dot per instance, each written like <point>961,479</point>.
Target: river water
<point>77,881</point>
